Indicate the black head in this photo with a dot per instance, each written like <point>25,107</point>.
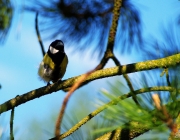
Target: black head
<point>56,45</point>
<point>56,51</point>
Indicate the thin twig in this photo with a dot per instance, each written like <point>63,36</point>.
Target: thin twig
<point>11,125</point>
<point>167,77</point>
<point>165,115</point>
<point>176,136</point>
<point>166,71</point>
<point>38,34</point>
<point>126,77</point>
<point>173,95</point>
<point>157,101</point>
<point>116,61</point>
<point>73,88</point>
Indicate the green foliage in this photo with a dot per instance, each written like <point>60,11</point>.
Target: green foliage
<point>126,113</point>
<point>6,13</point>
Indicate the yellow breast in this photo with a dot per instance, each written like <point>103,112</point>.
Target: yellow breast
<point>48,60</point>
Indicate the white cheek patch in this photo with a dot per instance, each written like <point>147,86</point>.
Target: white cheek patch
<point>53,50</point>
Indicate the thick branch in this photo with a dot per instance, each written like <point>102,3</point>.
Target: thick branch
<point>109,72</point>
<point>138,129</point>
<point>113,30</point>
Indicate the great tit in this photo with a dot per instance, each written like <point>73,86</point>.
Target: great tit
<point>53,66</point>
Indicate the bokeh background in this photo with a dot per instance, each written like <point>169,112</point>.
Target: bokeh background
<point>20,55</point>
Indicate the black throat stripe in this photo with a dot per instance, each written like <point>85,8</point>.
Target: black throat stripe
<point>57,58</point>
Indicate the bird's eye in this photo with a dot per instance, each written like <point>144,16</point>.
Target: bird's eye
<point>53,50</point>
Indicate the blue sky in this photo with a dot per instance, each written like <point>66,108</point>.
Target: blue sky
<point>21,55</point>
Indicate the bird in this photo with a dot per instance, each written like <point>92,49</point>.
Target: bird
<point>54,64</point>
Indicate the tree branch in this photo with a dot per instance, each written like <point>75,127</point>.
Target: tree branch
<point>111,39</point>
<point>176,136</point>
<point>38,34</point>
<point>113,102</point>
<point>126,77</point>
<point>108,72</point>
<point>11,125</point>
<point>138,129</point>
<point>164,115</point>
<point>113,30</point>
